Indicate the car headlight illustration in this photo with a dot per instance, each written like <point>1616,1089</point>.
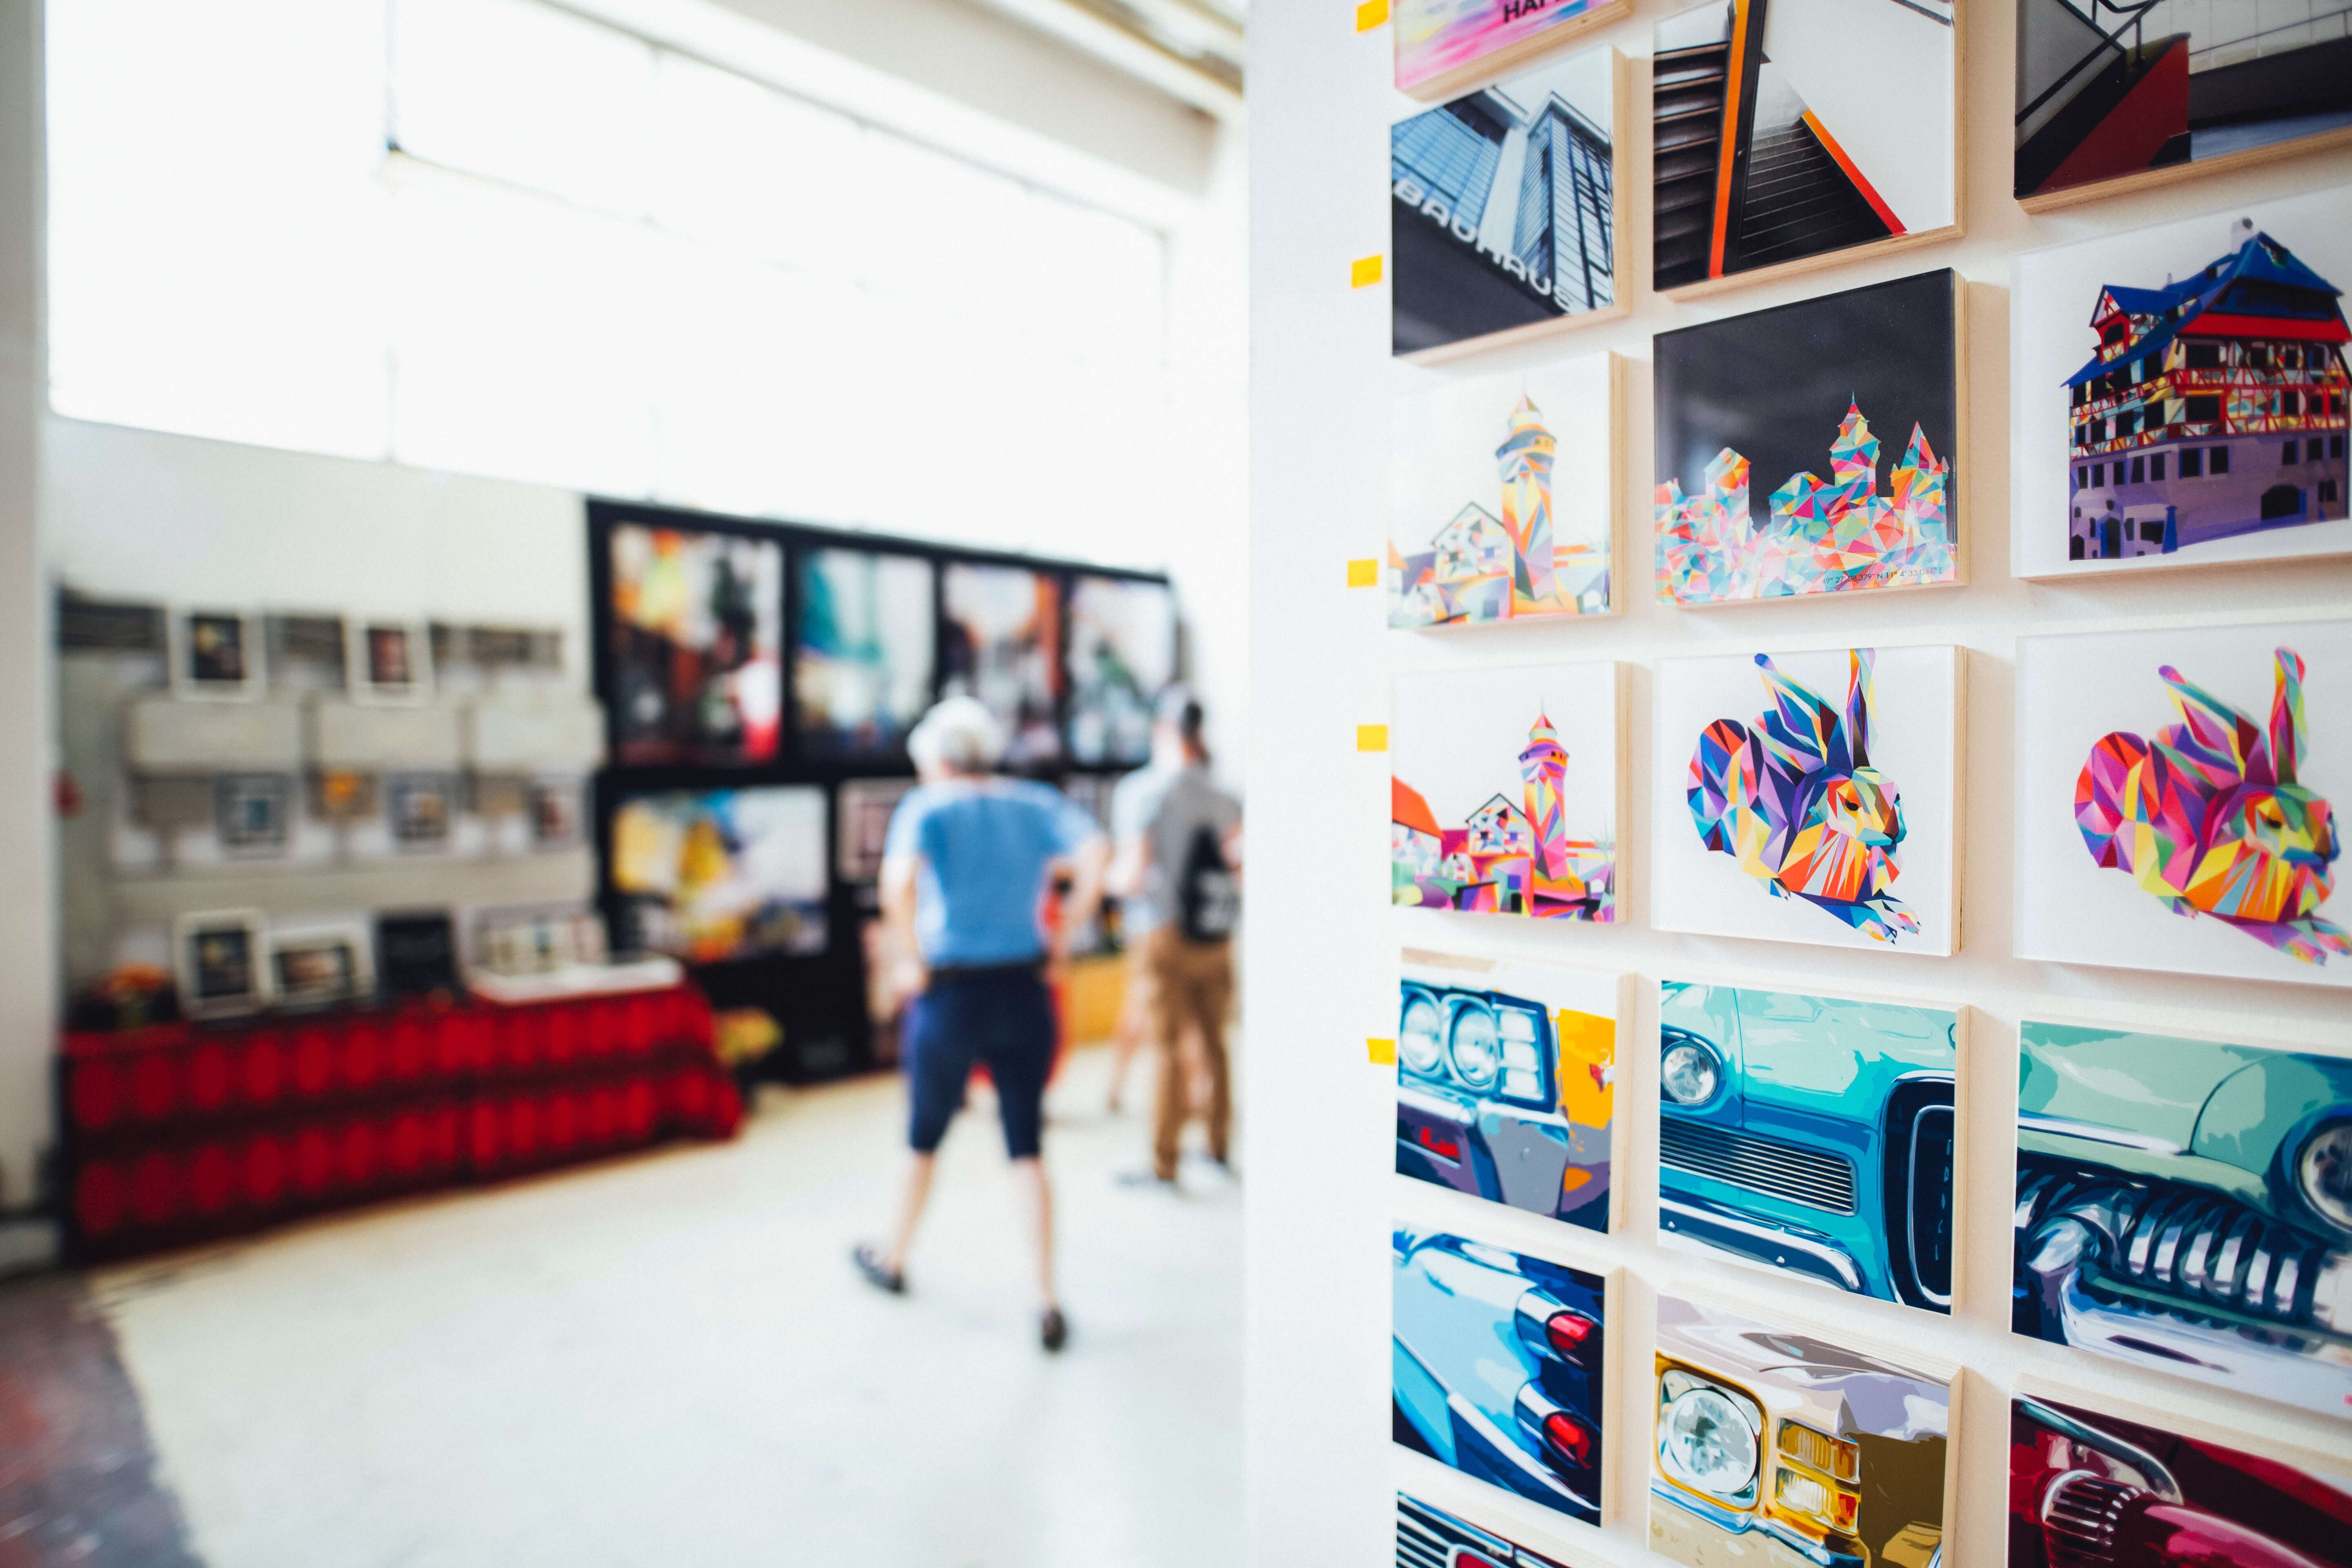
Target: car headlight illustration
<point>1708,1436</point>
<point>1476,1047</point>
<point>1687,1072</point>
<point>1420,1036</point>
<point>2323,1171</point>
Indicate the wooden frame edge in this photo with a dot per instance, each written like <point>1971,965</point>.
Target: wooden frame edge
<point>1802,264</point>
<point>2176,174</point>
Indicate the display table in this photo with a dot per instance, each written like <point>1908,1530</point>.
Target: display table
<point>184,1131</point>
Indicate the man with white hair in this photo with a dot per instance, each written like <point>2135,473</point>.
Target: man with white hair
<point>966,872</point>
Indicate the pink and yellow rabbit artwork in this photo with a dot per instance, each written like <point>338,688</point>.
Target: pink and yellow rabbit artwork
<point>2210,819</point>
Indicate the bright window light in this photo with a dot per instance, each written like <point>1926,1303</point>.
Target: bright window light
<point>491,236</point>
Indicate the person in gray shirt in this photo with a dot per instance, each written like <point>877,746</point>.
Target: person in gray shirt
<point>1176,869</point>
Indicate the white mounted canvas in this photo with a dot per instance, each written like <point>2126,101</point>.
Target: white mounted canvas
<point>1505,790</point>
<point>1810,797</point>
<point>2177,800</point>
<point>1502,495</point>
<point>2230,323</point>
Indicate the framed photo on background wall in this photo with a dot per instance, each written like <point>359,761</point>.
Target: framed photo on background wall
<point>217,655</point>
<point>864,650</point>
<point>1001,644</point>
<point>387,660</point>
<point>1122,652</point>
<point>692,644</point>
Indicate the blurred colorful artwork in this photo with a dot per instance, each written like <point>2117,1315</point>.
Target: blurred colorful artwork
<point>1437,40</point>
<point>1122,652</point>
<point>862,639</point>
<point>1001,644</point>
<point>1494,806</point>
<point>1819,538</point>
<point>711,875</point>
<point>696,634</point>
<point>2178,794</point>
<point>2209,819</point>
<point>1756,394</point>
<point>1490,439</point>
<point>1792,797</point>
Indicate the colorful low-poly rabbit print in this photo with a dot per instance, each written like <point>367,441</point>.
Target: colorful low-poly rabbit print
<point>1793,798</point>
<point>2210,819</point>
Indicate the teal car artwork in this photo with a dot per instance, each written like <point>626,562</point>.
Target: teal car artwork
<point>1810,1135</point>
<point>2187,1205</point>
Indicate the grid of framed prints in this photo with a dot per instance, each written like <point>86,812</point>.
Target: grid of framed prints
<point>2180,398</point>
<point>759,681</point>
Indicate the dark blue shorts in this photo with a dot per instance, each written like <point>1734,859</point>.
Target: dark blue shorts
<point>1000,1016</point>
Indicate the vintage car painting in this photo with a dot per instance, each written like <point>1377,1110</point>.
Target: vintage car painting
<point>1505,1082</point>
<point>2092,1490</point>
<point>1811,1135</point>
<point>1497,1367</point>
<point>1428,1537</point>
<point>1773,1444</point>
<point>2187,1205</point>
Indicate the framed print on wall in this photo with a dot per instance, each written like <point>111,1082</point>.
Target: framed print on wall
<point>2081,1469</point>
<point>1427,1533</point>
<point>1506,789</point>
<point>712,875</point>
<point>218,960</point>
<point>2118,95</point>
<point>1790,135</point>
<point>1536,446</point>
<point>1446,45</point>
<point>1520,1340</point>
<point>1794,392</point>
<point>217,655</point>
<point>1506,208</point>
<point>2178,799</point>
<point>2239,1156</point>
<point>1506,1075</point>
<point>863,641</point>
<point>387,660</point>
<point>1003,637</point>
<point>2179,395</point>
<point>322,964</point>
<point>694,637</point>
<point>1810,797</point>
<point>1122,653</point>
<point>1812,1136</point>
<point>1836,1452</point>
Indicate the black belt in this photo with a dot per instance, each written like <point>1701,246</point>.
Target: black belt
<point>1028,968</point>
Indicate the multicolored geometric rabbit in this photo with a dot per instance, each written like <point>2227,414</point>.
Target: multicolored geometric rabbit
<point>2211,820</point>
<point>1793,798</point>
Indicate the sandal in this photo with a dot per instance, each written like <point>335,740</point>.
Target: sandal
<point>878,1273</point>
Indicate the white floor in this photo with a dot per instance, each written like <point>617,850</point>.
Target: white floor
<point>667,1359</point>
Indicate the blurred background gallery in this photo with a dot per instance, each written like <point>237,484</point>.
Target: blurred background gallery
<point>512,475</point>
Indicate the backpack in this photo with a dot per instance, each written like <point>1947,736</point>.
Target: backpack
<point>1208,902</point>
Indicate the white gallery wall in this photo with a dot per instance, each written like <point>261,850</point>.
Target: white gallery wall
<point>1322,954</point>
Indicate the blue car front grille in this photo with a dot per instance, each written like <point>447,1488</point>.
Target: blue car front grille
<point>1771,1166</point>
<point>1426,1538</point>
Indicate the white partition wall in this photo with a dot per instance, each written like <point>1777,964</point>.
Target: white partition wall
<point>1323,936</point>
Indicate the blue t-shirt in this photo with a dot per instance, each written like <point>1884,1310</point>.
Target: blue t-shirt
<point>985,845</point>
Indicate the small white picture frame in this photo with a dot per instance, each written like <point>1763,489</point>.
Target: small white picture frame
<point>217,655</point>
<point>220,959</point>
<point>322,963</point>
<point>387,661</point>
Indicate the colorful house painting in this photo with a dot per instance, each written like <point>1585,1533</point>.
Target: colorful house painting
<point>1480,568</point>
<point>2215,406</point>
<point>1511,858</point>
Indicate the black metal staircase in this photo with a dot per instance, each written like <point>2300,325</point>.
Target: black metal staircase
<point>1796,201</point>
<point>1687,89</point>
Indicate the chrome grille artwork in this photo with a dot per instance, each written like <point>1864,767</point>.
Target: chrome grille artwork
<point>1428,1537</point>
<point>2186,1245</point>
<point>1761,1165</point>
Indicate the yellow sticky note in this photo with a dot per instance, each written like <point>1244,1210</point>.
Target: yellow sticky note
<point>1363,273</point>
<point>1382,1052</point>
<point>1371,15</point>
<point>1364,574</point>
<point>1371,737</point>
